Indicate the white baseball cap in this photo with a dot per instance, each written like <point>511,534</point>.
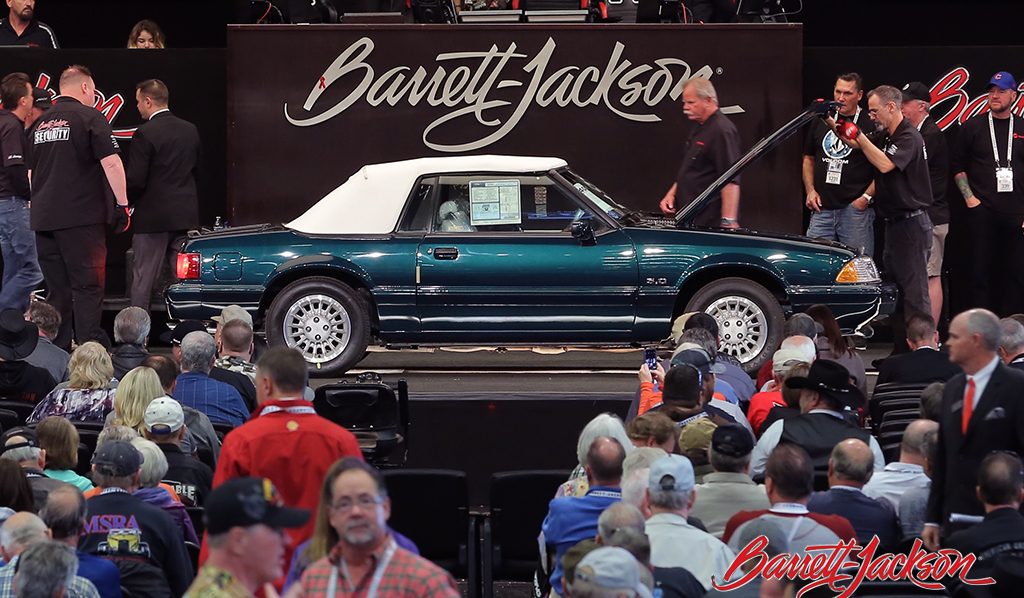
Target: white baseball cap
<point>164,416</point>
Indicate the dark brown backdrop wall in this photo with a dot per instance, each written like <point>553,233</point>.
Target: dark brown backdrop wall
<point>310,105</point>
<point>195,79</point>
<point>958,78</point>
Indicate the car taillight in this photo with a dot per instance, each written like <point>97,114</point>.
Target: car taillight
<point>188,266</point>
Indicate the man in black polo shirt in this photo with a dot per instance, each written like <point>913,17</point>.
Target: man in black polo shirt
<point>917,101</point>
<point>20,29</point>
<point>839,180</point>
<point>988,162</point>
<point>905,192</point>
<point>713,146</point>
<point>17,243</point>
<point>74,170</point>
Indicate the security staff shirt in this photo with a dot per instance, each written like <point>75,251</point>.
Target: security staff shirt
<point>711,149</point>
<point>841,173</point>
<point>973,155</point>
<point>908,186</point>
<point>13,174</point>
<point>69,187</point>
<point>36,35</point>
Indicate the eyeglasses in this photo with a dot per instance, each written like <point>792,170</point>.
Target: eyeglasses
<point>365,502</point>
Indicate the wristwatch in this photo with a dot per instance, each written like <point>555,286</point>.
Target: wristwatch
<point>869,198</point>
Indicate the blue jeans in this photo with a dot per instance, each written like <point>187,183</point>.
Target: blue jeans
<point>848,225</point>
<point>18,247</point>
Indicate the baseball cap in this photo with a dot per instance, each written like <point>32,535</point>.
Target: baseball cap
<point>674,472</point>
<point>117,458</point>
<point>783,359</point>
<point>612,568</point>
<point>696,356</point>
<point>1003,80</point>
<point>181,330</point>
<point>244,502</point>
<point>27,436</point>
<point>732,440</point>
<point>164,415</point>
<point>696,436</point>
<point>233,312</point>
<point>41,98</point>
<point>915,90</point>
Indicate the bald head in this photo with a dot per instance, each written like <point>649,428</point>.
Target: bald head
<point>916,440</point>
<point>617,516</point>
<point>64,513</point>
<point>805,345</point>
<point>851,463</point>
<point>20,531</point>
<point>76,82</point>
<point>604,461</point>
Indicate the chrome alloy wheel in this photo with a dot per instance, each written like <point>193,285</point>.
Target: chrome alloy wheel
<point>318,326</point>
<point>742,326</point>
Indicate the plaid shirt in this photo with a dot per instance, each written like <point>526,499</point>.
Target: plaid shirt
<point>79,587</point>
<point>407,575</point>
<point>220,402</point>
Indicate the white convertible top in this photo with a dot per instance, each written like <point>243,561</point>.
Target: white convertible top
<point>371,200</point>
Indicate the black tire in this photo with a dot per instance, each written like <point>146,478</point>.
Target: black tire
<point>707,300</point>
<point>339,298</point>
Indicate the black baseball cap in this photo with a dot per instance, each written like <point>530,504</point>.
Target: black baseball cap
<point>27,435</point>
<point>915,90</point>
<point>181,330</point>
<point>117,458</point>
<point>41,98</point>
<point>732,440</point>
<point>244,502</point>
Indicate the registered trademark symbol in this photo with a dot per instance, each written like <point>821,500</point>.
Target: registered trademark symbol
<point>719,71</point>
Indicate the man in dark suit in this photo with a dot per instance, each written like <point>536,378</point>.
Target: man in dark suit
<point>162,167</point>
<point>924,363</point>
<point>982,412</point>
<point>849,469</point>
<point>1000,489</point>
<point>1011,343</point>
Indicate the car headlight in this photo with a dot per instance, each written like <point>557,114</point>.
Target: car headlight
<point>860,270</point>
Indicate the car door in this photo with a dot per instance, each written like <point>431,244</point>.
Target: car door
<point>500,264</point>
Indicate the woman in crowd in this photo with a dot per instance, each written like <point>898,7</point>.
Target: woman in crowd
<point>89,395</point>
<point>15,491</point>
<point>154,468</point>
<point>605,424</point>
<point>137,390</point>
<point>60,441</point>
<point>653,429</point>
<point>833,346</point>
<point>146,35</point>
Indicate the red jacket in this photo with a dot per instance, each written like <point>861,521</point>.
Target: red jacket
<point>294,450</point>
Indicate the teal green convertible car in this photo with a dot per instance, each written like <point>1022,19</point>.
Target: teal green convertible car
<point>503,250</point>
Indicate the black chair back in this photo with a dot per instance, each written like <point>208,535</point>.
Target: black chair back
<point>373,413</point>
<point>519,503</point>
<point>9,419</point>
<point>87,440</point>
<point>893,395</point>
<point>431,507</point>
<point>196,515</point>
<point>21,408</point>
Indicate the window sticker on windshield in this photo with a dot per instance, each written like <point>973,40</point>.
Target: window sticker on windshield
<point>495,202</point>
<point>540,201</point>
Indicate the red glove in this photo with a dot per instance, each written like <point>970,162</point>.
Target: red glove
<point>847,130</point>
<point>122,218</point>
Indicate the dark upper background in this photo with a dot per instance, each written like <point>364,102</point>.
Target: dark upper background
<point>200,23</point>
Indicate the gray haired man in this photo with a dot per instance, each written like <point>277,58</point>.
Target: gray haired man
<point>195,388</point>
<point>19,535</point>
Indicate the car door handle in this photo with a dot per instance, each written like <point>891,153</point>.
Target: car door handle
<point>446,253</point>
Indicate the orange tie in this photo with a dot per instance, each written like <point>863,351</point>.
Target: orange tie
<point>968,405</point>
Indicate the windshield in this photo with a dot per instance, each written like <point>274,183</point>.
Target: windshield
<point>592,192</point>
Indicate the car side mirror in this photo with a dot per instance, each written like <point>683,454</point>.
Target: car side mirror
<point>583,232</point>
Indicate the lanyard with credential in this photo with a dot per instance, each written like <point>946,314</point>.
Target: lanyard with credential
<point>1009,141</point>
<point>300,410</point>
<point>378,574</point>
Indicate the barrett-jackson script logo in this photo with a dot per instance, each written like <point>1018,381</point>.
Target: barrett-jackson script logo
<point>949,93</point>
<point>628,90</point>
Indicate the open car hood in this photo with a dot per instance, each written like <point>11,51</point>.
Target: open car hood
<point>818,108</point>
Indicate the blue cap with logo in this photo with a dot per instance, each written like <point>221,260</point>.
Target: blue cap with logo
<point>672,473</point>
<point>1003,80</point>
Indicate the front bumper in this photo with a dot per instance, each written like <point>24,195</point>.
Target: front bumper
<point>854,305</point>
